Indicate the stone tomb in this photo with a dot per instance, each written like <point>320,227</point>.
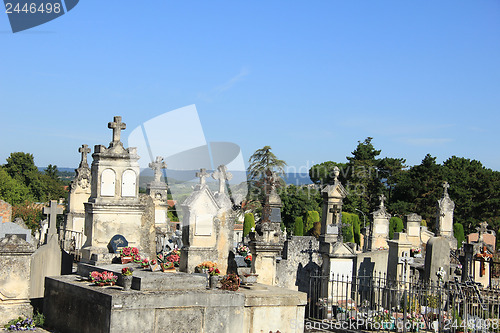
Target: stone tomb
<point>380,227</point>
<point>114,206</point>
<point>437,257</point>
<point>207,228</point>
<point>11,228</point>
<point>15,264</point>
<point>168,302</point>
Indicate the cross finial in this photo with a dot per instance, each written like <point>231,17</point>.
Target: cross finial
<point>446,186</point>
<point>84,149</point>
<point>382,198</point>
<point>52,211</point>
<point>202,175</point>
<point>222,175</point>
<point>482,229</point>
<point>157,166</point>
<point>117,126</point>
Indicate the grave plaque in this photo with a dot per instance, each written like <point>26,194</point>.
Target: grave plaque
<point>275,215</point>
<point>118,241</point>
<point>203,226</point>
<point>332,229</point>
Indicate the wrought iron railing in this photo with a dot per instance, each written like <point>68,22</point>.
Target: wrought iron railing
<point>374,303</point>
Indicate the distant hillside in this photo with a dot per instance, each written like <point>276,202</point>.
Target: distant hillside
<point>181,176</point>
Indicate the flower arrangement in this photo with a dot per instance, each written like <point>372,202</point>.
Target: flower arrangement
<point>415,251</point>
<point>205,266</point>
<point>136,258</point>
<point>20,324</point>
<point>153,264</point>
<point>174,259</point>
<point>145,263</point>
<point>242,250</point>
<point>167,267</point>
<point>103,279</point>
<point>213,271</point>
<point>230,282</point>
<point>248,259</point>
<point>128,251</point>
<point>127,271</point>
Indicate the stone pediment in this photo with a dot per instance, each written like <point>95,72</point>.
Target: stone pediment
<point>341,250</point>
<point>201,194</point>
<point>335,191</point>
<point>82,179</point>
<point>381,213</point>
<point>446,204</point>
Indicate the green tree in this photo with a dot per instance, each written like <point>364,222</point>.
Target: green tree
<point>389,171</point>
<point>52,171</point>
<point>30,213</point>
<point>352,232</point>
<point>458,232</point>
<point>260,162</point>
<point>12,190</point>
<point>323,173</point>
<point>248,223</point>
<point>395,225</point>
<point>297,201</point>
<point>311,218</point>
<point>298,228</point>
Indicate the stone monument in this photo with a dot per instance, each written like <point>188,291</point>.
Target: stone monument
<point>437,258</point>
<point>113,207</point>
<point>380,226</point>
<point>267,241</point>
<point>412,226</point>
<point>399,247</point>
<point>15,270</point>
<point>207,228</point>
<point>157,190</point>
<point>78,195</point>
<point>445,217</point>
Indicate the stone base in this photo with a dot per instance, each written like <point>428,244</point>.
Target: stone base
<point>75,306</point>
<point>193,256</point>
<point>13,309</point>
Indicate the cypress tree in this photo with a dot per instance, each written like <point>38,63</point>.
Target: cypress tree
<point>298,227</point>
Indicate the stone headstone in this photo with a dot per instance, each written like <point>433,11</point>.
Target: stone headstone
<point>437,257</point>
<point>15,278</point>
<point>380,226</point>
<point>399,247</point>
<point>118,241</point>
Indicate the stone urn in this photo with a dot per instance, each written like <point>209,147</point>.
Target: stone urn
<point>127,282</point>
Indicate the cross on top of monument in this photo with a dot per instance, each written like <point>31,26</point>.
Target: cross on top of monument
<point>202,175</point>
<point>222,175</point>
<point>446,186</point>
<point>117,127</point>
<point>482,229</point>
<point>84,149</point>
<point>382,198</point>
<point>157,166</point>
<point>52,211</point>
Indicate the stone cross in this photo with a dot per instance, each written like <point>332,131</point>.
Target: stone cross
<point>157,166</point>
<point>222,175</point>
<point>117,126</point>
<point>84,149</point>
<point>481,230</point>
<point>446,186</point>
<point>309,251</point>
<point>202,175</point>
<point>382,198</point>
<point>52,211</point>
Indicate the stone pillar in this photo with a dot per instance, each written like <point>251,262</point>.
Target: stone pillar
<point>445,217</point>
<point>157,190</point>
<point>266,243</point>
<point>412,226</point>
<point>15,268</point>
<point>399,247</point>
<point>113,207</point>
<point>78,195</point>
<point>380,227</point>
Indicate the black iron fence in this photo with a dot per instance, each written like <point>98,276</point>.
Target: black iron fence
<point>374,303</point>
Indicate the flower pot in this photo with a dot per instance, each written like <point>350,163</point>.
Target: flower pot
<point>126,260</point>
<point>213,281</point>
<point>127,282</point>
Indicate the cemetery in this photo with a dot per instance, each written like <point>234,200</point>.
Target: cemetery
<point>118,263</point>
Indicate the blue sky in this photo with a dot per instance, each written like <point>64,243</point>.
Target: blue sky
<point>308,78</point>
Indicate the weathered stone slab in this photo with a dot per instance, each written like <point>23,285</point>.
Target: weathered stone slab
<point>10,228</point>
<point>74,306</point>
